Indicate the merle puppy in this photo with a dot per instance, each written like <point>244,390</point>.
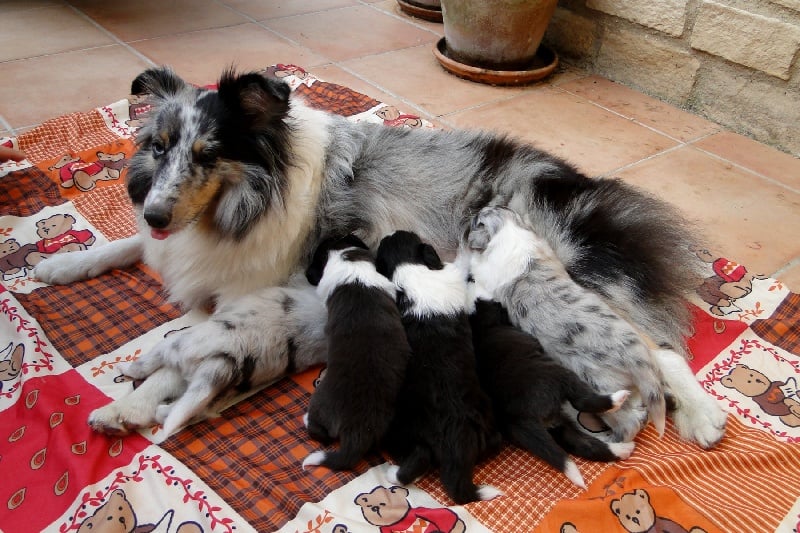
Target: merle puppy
<point>443,417</point>
<point>367,353</point>
<point>528,388</point>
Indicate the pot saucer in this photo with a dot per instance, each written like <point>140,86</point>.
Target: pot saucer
<point>541,66</point>
<point>427,13</point>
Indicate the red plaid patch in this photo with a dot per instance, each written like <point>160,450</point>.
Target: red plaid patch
<point>26,192</point>
<point>783,328</point>
<point>335,98</point>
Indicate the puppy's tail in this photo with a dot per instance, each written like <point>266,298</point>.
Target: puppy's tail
<point>352,447</point>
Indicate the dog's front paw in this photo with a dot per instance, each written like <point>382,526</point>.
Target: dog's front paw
<point>701,421</point>
<point>116,421</point>
<point>62,269</point>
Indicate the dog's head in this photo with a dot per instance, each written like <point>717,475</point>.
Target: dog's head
<point>217,157</point>
<point>405,247</point>
<point>316,268</point>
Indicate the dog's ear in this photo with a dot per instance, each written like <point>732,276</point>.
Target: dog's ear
<point>257,99</point>
<point>429,257</point>
<point>160,82</point>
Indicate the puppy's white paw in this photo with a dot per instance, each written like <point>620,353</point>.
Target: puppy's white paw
<point>305,420</point>
<point>617,399</point>
<point>391,475</point>
<point>314,459</point>
<point>622,450</point>
<point>701,421</point>
<point>162,412</point>
<point>488,492</point>
<point>573,474</point>
<point>116,421</point>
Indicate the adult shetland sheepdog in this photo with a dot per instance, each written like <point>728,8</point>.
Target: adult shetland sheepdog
<point>233,188</point>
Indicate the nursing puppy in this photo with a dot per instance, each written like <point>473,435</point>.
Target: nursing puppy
<point>528,388</point>
<point>233,189</point>
<point>443,417</point>
<point>574,325</point>
<point>234,352</point>
<point>367,354</point>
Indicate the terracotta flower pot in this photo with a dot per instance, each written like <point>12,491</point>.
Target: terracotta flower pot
<point>495,34</point>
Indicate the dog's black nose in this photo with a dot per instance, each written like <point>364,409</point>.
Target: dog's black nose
<point>157,219</point>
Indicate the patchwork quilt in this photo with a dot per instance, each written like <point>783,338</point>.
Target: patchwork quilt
<point>61,346</point>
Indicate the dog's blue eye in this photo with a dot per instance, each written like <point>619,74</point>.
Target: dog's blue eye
<point>158,149</point>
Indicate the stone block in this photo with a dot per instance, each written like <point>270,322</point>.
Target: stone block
<point>647,62</point>
<point>667,16</point>
<point>758,108</point>
<point>791,4</point>
<point>571,35</point>
<point>763,43</point>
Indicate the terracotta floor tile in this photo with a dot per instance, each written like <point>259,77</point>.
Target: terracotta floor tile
<point>642,108</point>
<point>48,86</point>
<point>757,157</point>
<point>7,6</point>
<point>334,74</point>
<point>791,277</point>
<point>748,219</point>
<point>142,19</point>
<point>415,75</point>
<point>36,32</point>
<point>391,6</point>
<point>247,46</point>
<point>268,9</point>
<point>351,32</point>
<point>594,139</point>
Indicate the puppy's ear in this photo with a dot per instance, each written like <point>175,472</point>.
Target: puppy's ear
<point>257,99</point>
<point>429,257</point>
<point>160,82</point>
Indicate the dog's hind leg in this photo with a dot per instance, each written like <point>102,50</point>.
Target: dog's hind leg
<point>138,409</point>
<point>697,415</point>
<point>532,436</point>
<point>578,443</point>
<point>412,467</point>
<point>146,364</point>
<point>61,269</point>
<point>456,466</point>
<point>213,376</point>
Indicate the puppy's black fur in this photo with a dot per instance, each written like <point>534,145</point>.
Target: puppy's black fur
<point>443,417</point>
<point>367,356</point>
<point>528,389</point>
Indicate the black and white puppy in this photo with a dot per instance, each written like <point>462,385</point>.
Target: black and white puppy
<point>443,417</point>
<point>528,389</point>
<point>367,353</point>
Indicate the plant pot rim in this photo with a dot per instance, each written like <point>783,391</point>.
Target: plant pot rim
<point>542,65</point>
<point>415,10</point>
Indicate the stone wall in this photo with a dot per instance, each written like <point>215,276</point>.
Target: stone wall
<point>732,61</point>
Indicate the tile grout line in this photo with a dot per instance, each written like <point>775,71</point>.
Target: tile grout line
<point>113,36</point>
<point>742,167</point>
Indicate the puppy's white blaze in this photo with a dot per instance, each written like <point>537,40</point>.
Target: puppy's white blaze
<point>622,450</point>
<point>339,272</point>
<point>618,398</point>
<point>488,492</point>
<point>314,459</point>
<point>432,292</point>
<point>391,475</point>
<point>573,474</point>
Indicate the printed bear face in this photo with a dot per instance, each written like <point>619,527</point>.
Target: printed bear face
<point>65,160</point>
<point>102,156</point>
<point>114,516</point>
<point>746,380</point>
<point>384,506</point>
<point>8,247</point>
<point>634,511</point>
<point>54,225</point>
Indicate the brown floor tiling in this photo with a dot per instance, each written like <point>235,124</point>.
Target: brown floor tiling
<point>757,157</point>
<point>246,46</point>
<point>260,10</point>
<point>391,6</point>
<point>339,33</point>
<point>594,139</point>
<point>744,217</point>
<point>48,86</point>
<point>662,117</point>
<point>37,32</point>
<point>142,19</point>
<point>791,276</point>
<point>7,6</point>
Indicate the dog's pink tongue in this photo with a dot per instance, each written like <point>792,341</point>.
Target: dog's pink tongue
<point>159,234</point>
